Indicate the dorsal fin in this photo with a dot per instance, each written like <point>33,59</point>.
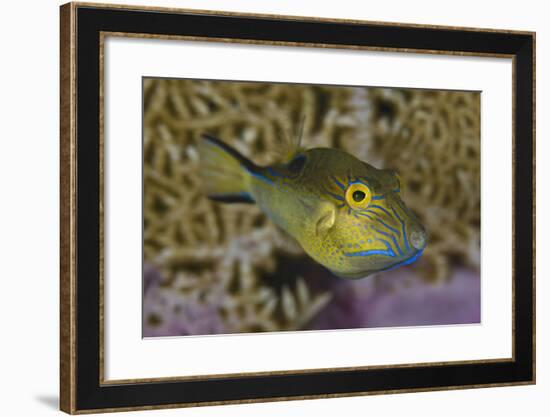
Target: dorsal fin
<point>292,142</point>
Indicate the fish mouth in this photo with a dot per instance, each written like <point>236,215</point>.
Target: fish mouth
<point>407,261</point>
<point>413,257</point>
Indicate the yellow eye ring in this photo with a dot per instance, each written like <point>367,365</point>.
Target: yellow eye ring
<point>358,196</point>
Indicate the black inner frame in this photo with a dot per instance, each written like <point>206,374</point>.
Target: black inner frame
<point>91,395</point>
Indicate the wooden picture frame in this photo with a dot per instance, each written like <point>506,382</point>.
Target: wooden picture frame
<point>83,28</point>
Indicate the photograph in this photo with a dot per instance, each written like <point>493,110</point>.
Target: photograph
<point>268,207</point>
<point>290,207</point>
<point>275,208</point>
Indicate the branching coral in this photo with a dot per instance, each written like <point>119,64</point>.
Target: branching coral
<point>224,261</point>
<point>432,138</point>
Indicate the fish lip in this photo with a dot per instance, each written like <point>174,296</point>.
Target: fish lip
<point>410,259</point>
<point>407,261</point>
<point>381,252</point>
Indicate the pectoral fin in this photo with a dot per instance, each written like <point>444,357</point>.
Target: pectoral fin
<point>326,219</point>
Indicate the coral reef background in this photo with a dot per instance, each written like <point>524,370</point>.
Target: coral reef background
<point>212,268</point>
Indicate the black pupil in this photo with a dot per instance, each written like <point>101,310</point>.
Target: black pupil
<point>297,164</point>
<point>358,196</point>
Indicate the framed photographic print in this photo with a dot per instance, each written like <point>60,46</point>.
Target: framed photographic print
<point>260,208</point>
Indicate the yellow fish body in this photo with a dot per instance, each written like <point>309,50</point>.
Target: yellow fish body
<point>346,214</point>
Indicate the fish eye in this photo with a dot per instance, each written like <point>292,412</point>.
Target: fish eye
<point>358,196</point>
<point>297,163</point>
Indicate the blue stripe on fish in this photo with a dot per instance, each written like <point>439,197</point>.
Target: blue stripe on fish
<point>274,173</point>
<point>364,215</point>
<point>336,196</point>
<point>383,223</point>
<point>388,246</point>
<point>407,261</point>
<point>388,252</point>
<point>369,253</point>
<point>403,229</point>
<point>392,237</point>
<point>338,183</point>
<point>260,177</point>
<point>381,208</point>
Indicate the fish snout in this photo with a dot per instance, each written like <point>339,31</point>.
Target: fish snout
<point>418,237</point>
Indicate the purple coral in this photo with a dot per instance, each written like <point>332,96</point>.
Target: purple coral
<point>169,313</point>
<point>399,300</point>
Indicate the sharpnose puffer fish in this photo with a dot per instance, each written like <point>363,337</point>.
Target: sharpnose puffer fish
<point>346,214</point>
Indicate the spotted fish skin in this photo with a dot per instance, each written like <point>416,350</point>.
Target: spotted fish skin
<point>346,214</point>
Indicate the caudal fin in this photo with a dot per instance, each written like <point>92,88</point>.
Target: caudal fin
<point>224,171</point>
